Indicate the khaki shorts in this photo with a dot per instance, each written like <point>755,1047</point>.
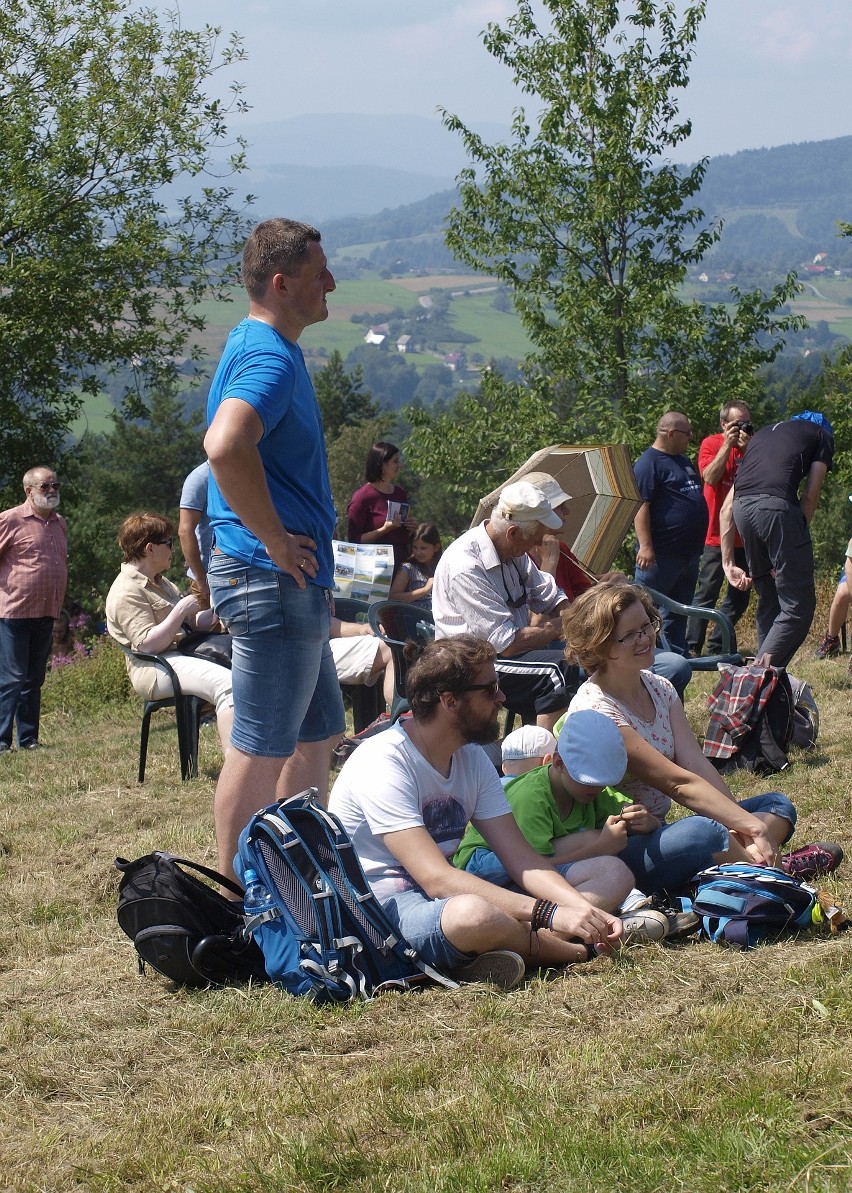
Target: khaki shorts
<point>354,659</point>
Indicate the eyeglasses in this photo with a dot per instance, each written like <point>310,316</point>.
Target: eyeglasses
<point>47,486</point>
<point>163,542</point>
<point>493,687</point>
<point>517,602</point>
<point>644,631</point>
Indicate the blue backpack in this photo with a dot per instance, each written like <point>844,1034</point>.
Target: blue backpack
<point>742,905</point>
<point>323,934</point>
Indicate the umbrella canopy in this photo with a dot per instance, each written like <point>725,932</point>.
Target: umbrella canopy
<point>604,497</point>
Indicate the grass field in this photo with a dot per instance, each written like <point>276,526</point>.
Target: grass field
<point>499,334</point>
<point>95,416</point>
<point>682,1068</point>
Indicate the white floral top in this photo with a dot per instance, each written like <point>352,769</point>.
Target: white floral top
<point>657,733</point>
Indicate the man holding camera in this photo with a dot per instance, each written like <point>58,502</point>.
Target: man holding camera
<point>718,460</point>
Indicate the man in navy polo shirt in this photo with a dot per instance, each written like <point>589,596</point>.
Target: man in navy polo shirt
<point>671,523</point>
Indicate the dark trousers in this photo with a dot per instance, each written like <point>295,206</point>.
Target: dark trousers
<point>780,557</point>
<point>674,576</point>
<point>24,650</point>
<point>711,577</point>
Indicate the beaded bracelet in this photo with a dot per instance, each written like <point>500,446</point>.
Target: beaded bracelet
<point>543,913</point>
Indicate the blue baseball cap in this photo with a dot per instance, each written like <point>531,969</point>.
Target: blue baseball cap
<point>592,748</point>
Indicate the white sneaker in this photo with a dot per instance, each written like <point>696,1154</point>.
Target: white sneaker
<point>643,925</point>
<point>500,967</point>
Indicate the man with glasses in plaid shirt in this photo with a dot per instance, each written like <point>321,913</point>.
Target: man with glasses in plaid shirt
<point>33,575</point>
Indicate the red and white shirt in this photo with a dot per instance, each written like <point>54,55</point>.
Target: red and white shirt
<point>33,563</point>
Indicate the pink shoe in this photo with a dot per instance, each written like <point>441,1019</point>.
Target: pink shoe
<point>820,858</point>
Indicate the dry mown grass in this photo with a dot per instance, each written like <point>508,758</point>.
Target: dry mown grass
<point>688,1067</point>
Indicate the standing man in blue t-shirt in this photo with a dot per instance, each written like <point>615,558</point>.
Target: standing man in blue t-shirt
<point>196,533</point>
<point>671,523</point>
<point>270,505</point>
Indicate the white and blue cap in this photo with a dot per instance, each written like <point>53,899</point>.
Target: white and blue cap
<point>530,741</point>
<point>592,748</point>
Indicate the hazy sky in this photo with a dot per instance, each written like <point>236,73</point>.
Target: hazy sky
<point>766,72</point>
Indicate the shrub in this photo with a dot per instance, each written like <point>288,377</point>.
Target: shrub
<point>90,683</point>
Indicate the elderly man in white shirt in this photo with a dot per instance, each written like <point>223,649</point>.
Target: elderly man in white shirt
<point>487,585</point>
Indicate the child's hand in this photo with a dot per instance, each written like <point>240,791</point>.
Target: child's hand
<point>638,819</point>
<point>613,835</point>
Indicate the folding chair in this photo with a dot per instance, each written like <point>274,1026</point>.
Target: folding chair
<point>187,717</point>
<point>396,622</point>
<point>726,631</point>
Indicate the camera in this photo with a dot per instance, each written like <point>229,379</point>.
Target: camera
<point>742,425</point>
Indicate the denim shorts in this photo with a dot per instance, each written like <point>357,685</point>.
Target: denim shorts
<point>284,682</point>
<point>418,919</point>
<point>485,864</point>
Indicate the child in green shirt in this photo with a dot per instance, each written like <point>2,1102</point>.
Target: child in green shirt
<point>569,811</point>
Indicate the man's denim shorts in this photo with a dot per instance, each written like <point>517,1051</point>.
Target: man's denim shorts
<point>418,919</point>
<point>284,681</point>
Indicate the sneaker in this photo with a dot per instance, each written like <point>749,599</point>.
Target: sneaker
<point>820,858</point>
<point>644,925</point>
<point>31,745</point>
<point>829,647</point>
<point>4,747</point>
<point>681,923</point>
<point>501,967</point>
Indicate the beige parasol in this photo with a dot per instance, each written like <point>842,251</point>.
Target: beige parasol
<point>604,498</point>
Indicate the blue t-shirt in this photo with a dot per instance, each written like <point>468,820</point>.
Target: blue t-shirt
<point>193,496</point>
<point>675,494</point>
<point>262,368</point>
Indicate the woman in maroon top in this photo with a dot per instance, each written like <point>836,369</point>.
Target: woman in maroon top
<point>368,509</point>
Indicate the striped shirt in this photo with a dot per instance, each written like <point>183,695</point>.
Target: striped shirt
<point>33,563</point>
<point>474,592</point>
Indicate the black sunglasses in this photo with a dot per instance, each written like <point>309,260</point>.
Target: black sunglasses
<point>48,485</point>
<point>493,687</point>
<point>163,542</point>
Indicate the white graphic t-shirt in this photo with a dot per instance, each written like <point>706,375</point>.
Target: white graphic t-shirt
<point>387,785</point>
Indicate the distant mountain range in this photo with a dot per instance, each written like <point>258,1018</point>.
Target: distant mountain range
<point>324,167</point>
<point>367,179</point>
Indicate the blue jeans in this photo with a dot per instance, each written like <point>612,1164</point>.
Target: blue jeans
<point>284,681</point>
<point>674,576</point>
<point>24,650</point>
<point>670,857</point>
<point>673,667</point>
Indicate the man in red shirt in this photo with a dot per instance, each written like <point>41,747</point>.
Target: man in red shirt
<point>718,460</point>
<point>33,574</point>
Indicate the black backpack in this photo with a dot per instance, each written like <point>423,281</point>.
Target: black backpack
<point>751,719</point>
<point>182,927</point>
